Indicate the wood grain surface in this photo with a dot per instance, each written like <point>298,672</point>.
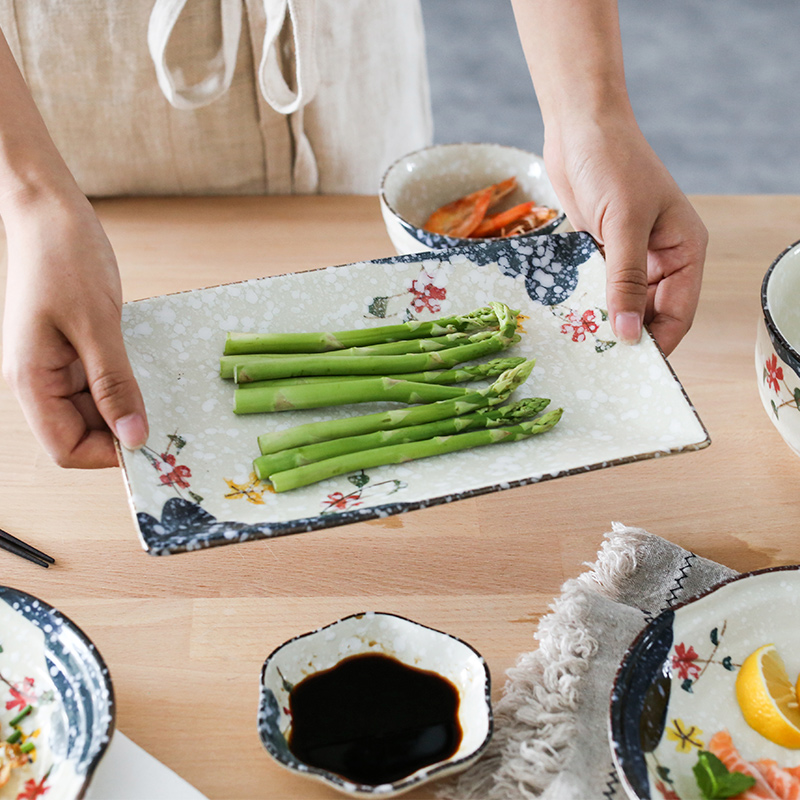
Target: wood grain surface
<point>185,635</point>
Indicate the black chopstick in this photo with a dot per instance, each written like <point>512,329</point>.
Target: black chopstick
<point>24,550</point>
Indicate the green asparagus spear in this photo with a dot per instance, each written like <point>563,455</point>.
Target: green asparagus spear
<point>400,453</point>
<point>228,363</point>
<point>301,396</point>
<point>264,466</point>
<point>312,432</point>
<point>463,374</point>
<point>503,338</point>
<point>476,320</point>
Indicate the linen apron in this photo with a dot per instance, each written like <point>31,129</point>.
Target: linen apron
<point>225,96</point>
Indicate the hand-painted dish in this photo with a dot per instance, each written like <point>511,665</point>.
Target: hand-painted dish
<point>373,633</point>
<point>674,694</point>
<point>193,485</point>
<point>422,181</point>
<point>56,689</point>
<point>778,345</point>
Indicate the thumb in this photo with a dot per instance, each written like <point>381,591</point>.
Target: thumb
<point>113,387</point>
<point>626,277</point>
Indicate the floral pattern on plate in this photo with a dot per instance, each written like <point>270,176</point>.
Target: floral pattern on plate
<point>56,699</point>
<point>193,487</point>
<point>675,691</point>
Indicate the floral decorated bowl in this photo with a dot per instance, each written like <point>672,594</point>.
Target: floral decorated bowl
<point>675,692</point>
<point>56,700</point>
<point>778,345</point>
<point>420,182</point>
<point>436,654</point>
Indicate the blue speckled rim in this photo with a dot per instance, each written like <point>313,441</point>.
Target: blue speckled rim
<point>641,664</point>
<point>91,653</point>
<point>785,351</point>
<point>398,786</point>
<point>440,242</point>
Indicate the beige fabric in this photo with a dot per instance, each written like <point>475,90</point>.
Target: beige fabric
<point>350,73</point>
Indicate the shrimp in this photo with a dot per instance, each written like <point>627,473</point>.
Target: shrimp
<point>721,745</point>
<point>462,216</point>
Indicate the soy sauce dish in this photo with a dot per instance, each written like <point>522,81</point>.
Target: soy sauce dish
<point>375,704</point>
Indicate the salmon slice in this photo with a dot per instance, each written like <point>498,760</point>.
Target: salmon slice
<point>781,781</point>
<point>721,745</point>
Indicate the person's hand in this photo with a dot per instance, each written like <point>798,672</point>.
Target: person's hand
<point>63,352</point>
<point>612,185</point>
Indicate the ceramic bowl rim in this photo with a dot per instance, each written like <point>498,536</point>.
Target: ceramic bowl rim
<point>772,327</point>
<point>455,241</point>
<point>105,674</point>
<point>655,622</point>
<point>423,775</point>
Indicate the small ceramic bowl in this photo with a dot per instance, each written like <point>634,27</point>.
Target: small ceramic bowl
<point>778,345</point>
<point>675,691</point>
<point>385,634</point>
<point>420,182</point>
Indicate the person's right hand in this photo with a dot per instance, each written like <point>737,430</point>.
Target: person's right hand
<point>63,352</point>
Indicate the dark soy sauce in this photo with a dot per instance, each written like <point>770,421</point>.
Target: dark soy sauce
<point>373,720</point>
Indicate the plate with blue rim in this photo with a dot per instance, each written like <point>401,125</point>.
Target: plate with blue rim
<point>56,699</point>
<point>193,485</point>
<point>674,696</point>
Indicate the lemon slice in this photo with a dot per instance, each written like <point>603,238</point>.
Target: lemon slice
<point>767,697</point>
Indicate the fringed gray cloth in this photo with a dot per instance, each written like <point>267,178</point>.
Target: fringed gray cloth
<point>551,735</point>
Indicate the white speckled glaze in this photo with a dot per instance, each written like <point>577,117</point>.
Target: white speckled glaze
<point>49,663</point>
<point>420,182</point>
<point>385,634</point>
<point>697,649</point>
<point>193,485</point>
<point>778,345</point>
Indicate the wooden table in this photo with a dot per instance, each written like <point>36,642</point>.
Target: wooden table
<point>185,635</point>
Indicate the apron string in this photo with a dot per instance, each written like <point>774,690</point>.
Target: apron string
<point>272,84</point>
<point>163,19</point>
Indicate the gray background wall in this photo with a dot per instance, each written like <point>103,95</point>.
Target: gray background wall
<point>715,85</point>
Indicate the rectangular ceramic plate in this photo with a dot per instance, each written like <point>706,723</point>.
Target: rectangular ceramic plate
<point>193,485</point>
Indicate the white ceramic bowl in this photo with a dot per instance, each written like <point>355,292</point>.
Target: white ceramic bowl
<point>386,634</point>
<point>778,345</point>
<point>420,182</point>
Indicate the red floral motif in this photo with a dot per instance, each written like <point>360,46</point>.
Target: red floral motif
<point>580,326</point>
<point>343,501</point>
<point>22,695</point>
<point>683,661</point>
<point>177,475</point>
<point>668,792</point>
<point>427,295</point>
<point>774,373</point>
<point>32,790</point>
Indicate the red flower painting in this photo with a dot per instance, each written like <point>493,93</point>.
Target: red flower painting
<point>684,661</point>
<point>773,373</point>
<point>580,326</point>
<point>32,789</point>
<point>342,501</point>
<point>21,695</point>
<point>177,475</point>
<point>427,295</point>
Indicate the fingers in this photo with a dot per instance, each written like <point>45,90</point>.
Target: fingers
<point>64,433</point>
<point>625,240</point>
<point>674,298</point>
<point>110,381</point>
<point>73,424</point>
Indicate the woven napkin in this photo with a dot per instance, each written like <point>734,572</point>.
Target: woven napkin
<point>551,726</point>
